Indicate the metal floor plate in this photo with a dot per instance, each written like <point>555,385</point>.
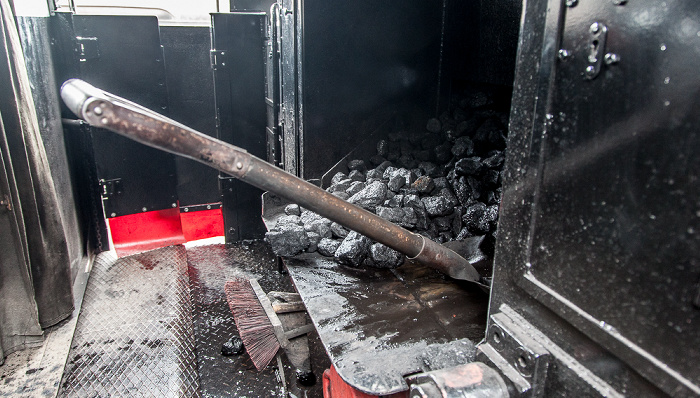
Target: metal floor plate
<point>210,267</point>
<point>135,335</point>
<point>153,324</point>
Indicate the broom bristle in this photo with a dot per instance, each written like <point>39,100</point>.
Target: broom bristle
<point>254,326</point>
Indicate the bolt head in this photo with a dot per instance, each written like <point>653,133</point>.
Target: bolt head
<point>564,54</point>
<point>611,58</point>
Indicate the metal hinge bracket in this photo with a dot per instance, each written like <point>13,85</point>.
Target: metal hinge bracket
<point>217,58</point>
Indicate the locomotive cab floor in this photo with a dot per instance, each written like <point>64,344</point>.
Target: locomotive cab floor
<point>152,324</point>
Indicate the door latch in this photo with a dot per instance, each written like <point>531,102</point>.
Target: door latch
<point>596,55</point>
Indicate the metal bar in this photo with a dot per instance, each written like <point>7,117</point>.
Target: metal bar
<point>104,110</point>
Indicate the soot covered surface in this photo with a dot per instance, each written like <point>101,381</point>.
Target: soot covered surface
<point>210,267</point>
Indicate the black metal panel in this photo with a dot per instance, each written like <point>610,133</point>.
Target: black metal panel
<point>122,54</point>
<point>598,234</point>
<point>238,59</point>
<point>357,65</point>
<point>191,102</point>
<point>78,142</point>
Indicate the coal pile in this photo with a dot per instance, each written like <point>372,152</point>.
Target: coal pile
<point>443,183</point>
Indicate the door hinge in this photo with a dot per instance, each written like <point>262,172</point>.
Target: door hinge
<point>111,187</point>
<point>217,58</point>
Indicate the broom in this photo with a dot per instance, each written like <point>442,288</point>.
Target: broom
<point>259,329</point>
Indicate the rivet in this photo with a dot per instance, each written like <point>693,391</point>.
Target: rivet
<point>611,58</point>
<point>104,120</point>
<point>208,207</point>
<point>239,165</point>
<point>619,2</point>
<point>590,70</point>
<point>187,209</point>
<point>595,27</point>
<point>174,205</point>
<point>97,110</point>
<point>571,3</point>
<point>564,54</point>
<point>144,209</point>
<point>113,215</point>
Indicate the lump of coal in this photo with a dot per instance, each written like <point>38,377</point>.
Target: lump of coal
<point>434,125</point>
<point>396,201</point>
<point>353,250</point>
<point>468,166</point>
<point>495,160</point>
<point>287,239</point>
<point>314,238</point>
<point>337,177</point>
<point>356,175</point>
<point>424,184</point>
<point>341,186</point>
<point>472,218</point>
<point>373,174</point>
<point>321,226</point>
<point>436,205</point>
<point>338,230</point>
<point>385,257</point>
<point>449,196</point>
<point>489,218</point>
<point>355,187</point>
<point>327,247</point>
<point>463,146</point>
<point>292,210</point>
<point>305,377</point>
<point>233,346</point>
<point>396,182</point>
<point>357,165</point>
<point>308,216</point>
<point>371,196</point>
<point>413,201</point>
<point>405,217</point>
<point>296,220</point>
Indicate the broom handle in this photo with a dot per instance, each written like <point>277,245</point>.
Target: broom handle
<point>133,121</point>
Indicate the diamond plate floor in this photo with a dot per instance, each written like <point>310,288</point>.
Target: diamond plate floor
<point>152,325</point>
<point>135,335</point>
<point>210,268</point>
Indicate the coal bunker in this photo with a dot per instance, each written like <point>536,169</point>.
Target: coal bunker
<point>443,182</point>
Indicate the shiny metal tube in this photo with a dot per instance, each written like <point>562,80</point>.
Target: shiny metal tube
<point>104,110</point>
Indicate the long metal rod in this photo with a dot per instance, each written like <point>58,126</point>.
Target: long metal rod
<point>105,110</point>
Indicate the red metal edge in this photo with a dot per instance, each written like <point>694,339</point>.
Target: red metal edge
<point>137,233</point>
<point>335,387</point>
<point>202,224</point>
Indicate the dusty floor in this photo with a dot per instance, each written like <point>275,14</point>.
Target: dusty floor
<point>152,324</point>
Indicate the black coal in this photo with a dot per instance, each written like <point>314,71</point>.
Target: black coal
<point>443,183</point>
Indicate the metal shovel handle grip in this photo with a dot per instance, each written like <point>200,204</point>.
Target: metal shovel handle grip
<point>131,120</point>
